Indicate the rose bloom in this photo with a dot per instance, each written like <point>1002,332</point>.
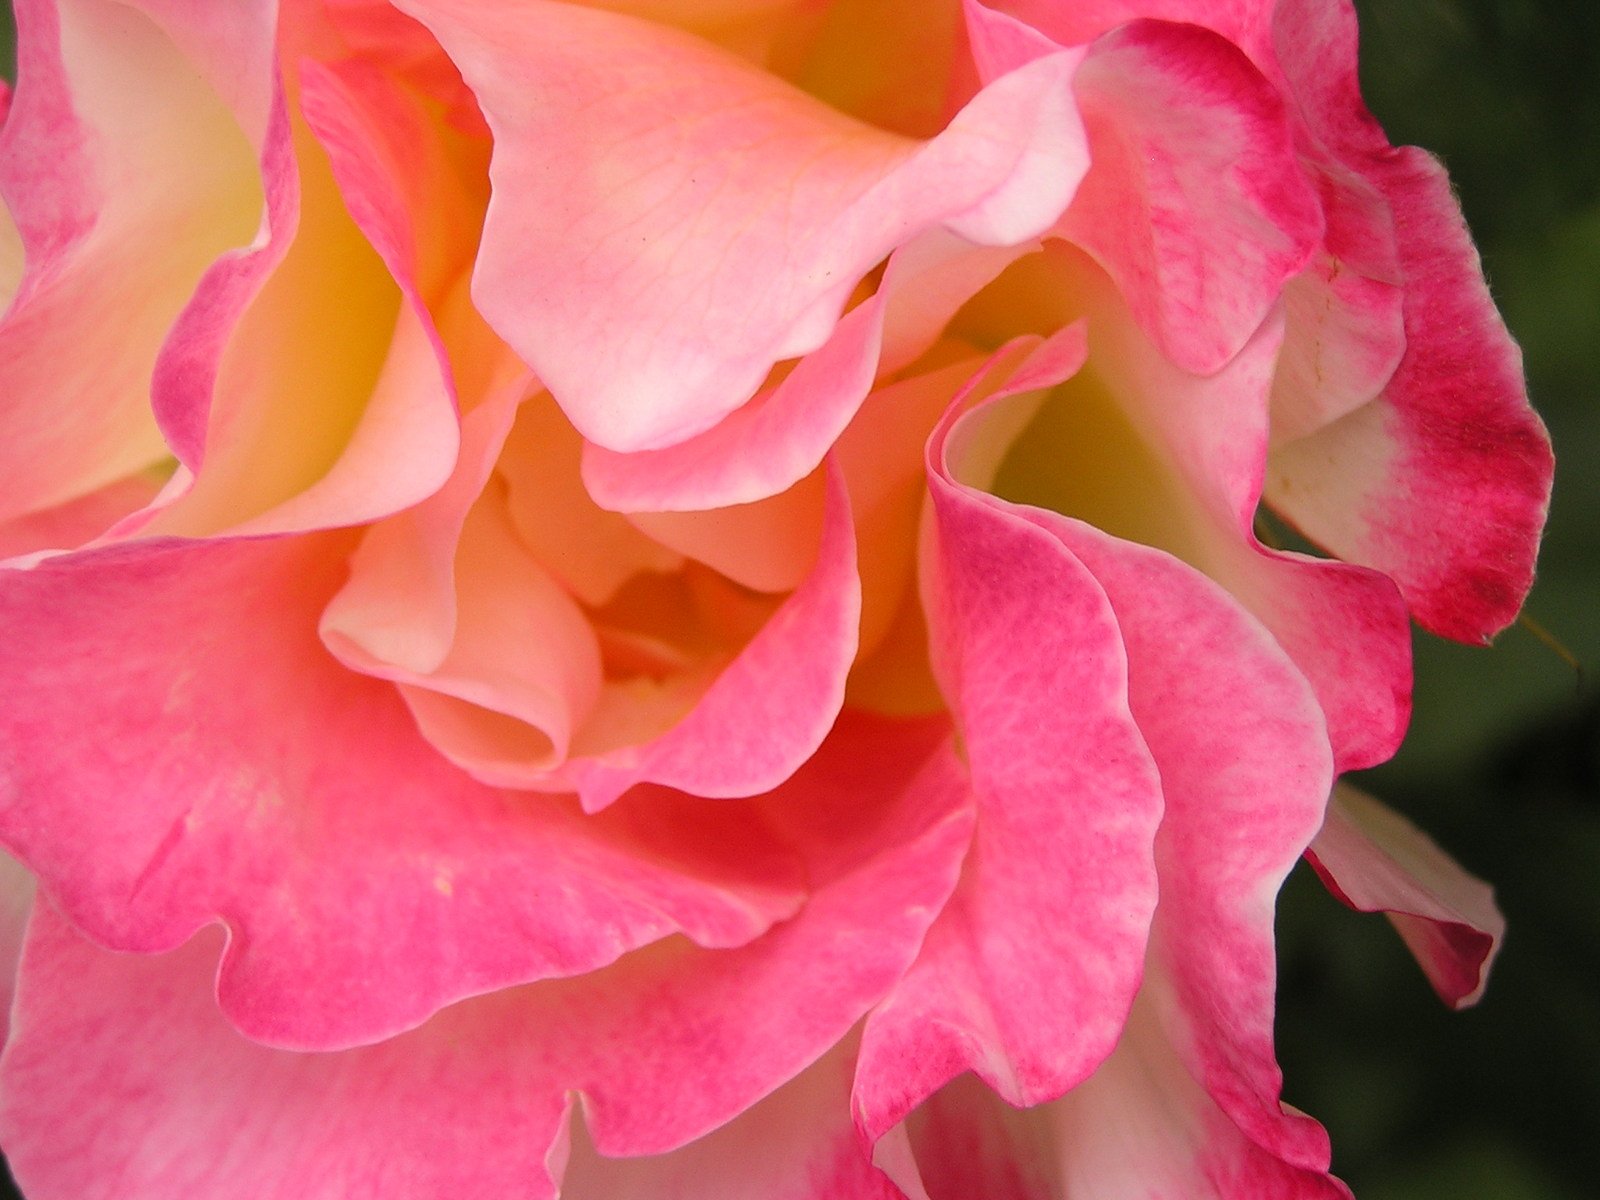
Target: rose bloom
<point>675,598</point>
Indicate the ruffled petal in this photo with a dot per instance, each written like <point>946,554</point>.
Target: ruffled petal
<point>1187,1103</point>
<point>1139,1129</point>
<point>767,710</point>
<point>396,616</point>
<point>1344,625</point>
<point>797,1144</point>
<point>1375,860</point>
<point>1443,482</point>
<point>365,881</point>
<point>1195,201</point>
<point>653,277</point>
<point>1242,748</point>
<point>293,443</point>
<point>471,1105</point>
<point>1027,976</point>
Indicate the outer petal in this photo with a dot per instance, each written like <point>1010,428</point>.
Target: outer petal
<point>1139,1129</point>
<point>365,881</point>
<point>1344,625</point>
<point>1440,482</point>
<point>1444,481</point>
<point>1028,974</point>
<point>1195,203</point>
<point>653,277</point>
<point>470,1106</point>
<point>1375,860</point>
<point>1245,765</point>
<point>1187,1104</point>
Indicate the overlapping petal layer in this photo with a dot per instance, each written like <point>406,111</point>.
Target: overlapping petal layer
<point>474,1102</point>
<point>477,484</point>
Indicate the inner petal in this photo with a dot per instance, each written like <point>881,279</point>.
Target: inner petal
<point>1080,455</point>
<point>281,421</point>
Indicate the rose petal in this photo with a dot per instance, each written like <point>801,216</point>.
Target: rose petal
<point>758,209</point>
<point>1375,860</point>
<point>125,175</point>
<point>1344,625</point>
<point>1139,1128</point>
<point>783,433</point>
<point>248,768</point>
<point>1027,976</point>
<point>1443,482</point>
<point>1245,764</point>
<point>1195,202</point>
<point>1188,1101</point>
<point>770,708</point>
<point>294,444</point>
<point>1346,333</point>
<point>523,650</point>
<point>71,524</point>
<point>797,1144</point>
<point>1240,21</point>
<point>397,611</point>
<point>593,551</point>
<point>471,1104</point>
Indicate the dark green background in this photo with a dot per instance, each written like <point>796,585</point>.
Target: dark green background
<point>1503,762</point>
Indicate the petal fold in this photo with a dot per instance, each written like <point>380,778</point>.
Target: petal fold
<point>471,1105</point>
<point>365,881</point>
<point>1027,976</point>
<point>1375,860</point>
<point>1196,203</point>
<point>653,277</point>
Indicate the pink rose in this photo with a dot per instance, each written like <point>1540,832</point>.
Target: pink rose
<point>662,598</point>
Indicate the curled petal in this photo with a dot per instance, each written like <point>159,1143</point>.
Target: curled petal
<point>246,764</point>
<point>1443,482</point>
<point>1187,1102</point>
<point>1375,860</point>
<point>797,1144</point>
<point>1242,747</point>
<point>361,420</point>
<point>771,707</point>
<point>783,433</point>
<point>1027,976</point>
<point>1196,203</point>
<point>1344,625</point>
<point>725,218</point>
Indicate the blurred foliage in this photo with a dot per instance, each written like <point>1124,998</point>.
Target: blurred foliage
<point>1503,762</point>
